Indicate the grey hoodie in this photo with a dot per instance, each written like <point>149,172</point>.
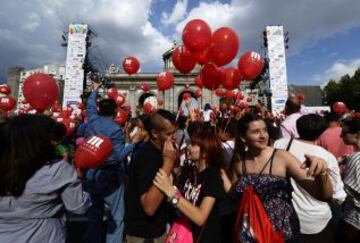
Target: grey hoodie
<point>37,215</point>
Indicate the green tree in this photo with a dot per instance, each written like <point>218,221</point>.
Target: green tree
<point>347,90</point>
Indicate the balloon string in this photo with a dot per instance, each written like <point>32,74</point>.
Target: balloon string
<point>227,123</point>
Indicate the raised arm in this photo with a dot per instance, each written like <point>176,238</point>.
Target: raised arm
<point>311,175</point>
<point>152,198</point>
<point>91,107</point>
<point>198,215</point>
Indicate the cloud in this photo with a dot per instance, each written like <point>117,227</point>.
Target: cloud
<point>177,14</point>
<point>337,70</point>
<point>33,38</point>
<point>306,20</point>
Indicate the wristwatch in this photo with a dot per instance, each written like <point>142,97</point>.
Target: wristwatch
<point>176,198</point>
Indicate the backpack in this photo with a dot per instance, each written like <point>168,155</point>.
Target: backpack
<point>252,223</point>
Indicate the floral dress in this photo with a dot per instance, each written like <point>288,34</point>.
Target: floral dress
<point>275,194</point>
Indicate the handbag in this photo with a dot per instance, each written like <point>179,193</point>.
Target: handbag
<point>180,231</point>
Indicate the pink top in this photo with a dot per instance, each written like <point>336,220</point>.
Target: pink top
<point>331,141</point>
<point>288,126</point>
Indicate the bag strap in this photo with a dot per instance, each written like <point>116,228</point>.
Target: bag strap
<point>201,231</point>
<point>267,162</point>
<point>289,144</point>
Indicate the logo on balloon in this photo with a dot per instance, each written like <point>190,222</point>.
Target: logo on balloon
<point>93,152</point>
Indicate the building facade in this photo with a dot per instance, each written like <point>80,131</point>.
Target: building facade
<point>56,71</point>
<point>129,86</point>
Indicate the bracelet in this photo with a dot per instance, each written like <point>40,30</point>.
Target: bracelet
<point>176,198</point>
<point>176,191</point>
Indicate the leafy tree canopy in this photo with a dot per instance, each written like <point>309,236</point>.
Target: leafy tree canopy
<point>347,90</point>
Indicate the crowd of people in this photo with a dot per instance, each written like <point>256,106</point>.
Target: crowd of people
<point>170,176</point>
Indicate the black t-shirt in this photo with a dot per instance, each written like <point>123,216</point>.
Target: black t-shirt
<point>142,172</point>
<point>208,184</point>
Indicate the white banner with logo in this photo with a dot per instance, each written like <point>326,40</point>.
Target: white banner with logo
<point>75,58</point>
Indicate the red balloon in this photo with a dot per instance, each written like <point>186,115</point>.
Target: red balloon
<point>131,65</point>
<point>65,114</point>
<point>198,93</point>
<point>250,65</point>
<point>239,96</point>
<point>165,80</point>
<point>229,94</point>
<point>224,46</point>
<point>40,90</point>
<point>231,78</point>
<point>160,102</point>
<point>121,117</point>
<point>24,102</point>
<point>69,109</point>
<point>56,108</point>
<point>145,87</point>
<point>120,100</point>
<point>7,103</point>
<point>80,105</point>
<point>112,93</point>
<point>198,81</point>
<point>249,99</point>
<point>5,89</point>
<point>232,108</point>
<point>186,96</point>
<point>183,59</point>
<point>301,97</point>
<point>93,152</point>
<point>202,57</point>
<point>148,108</point>
<point>196,35</point>
<point>243,105</point>
<point>220,92</point>
<point>339,107</point>
<point>211,76</point>
<point>70,125</point>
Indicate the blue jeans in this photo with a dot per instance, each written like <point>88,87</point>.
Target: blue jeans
<point>115,222</point>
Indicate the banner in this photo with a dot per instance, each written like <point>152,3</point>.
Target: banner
<point>75,58</point>
<point>277,67</point>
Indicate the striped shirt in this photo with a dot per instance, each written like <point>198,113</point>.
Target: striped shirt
<point>352,188</point>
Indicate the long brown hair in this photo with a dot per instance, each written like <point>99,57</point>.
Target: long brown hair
<point>240,146</point>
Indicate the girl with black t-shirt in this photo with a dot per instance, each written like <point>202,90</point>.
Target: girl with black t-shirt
<point>200,189</point>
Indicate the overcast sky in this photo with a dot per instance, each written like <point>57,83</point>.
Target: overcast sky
<point>324,34</point>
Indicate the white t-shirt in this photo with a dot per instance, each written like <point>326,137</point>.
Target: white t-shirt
<point>207,115</point>
<point>313,214</point>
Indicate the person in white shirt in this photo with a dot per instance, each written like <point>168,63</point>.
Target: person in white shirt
<point>207,113</point>
<point>313,214</point>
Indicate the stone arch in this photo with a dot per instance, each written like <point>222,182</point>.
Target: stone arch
<point>180,94</point>
<point>143,97</point>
